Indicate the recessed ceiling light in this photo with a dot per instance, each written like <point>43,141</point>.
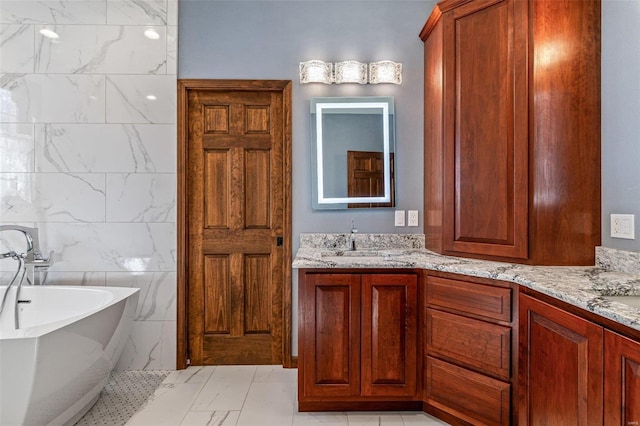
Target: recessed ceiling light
<point>151,97</point>
<point>49,33</point>
<point>151,33</point>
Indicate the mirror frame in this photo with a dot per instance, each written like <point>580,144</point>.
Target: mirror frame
<point>321,201</point>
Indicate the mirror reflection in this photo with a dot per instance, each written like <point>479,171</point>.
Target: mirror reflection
<point>353,152</point>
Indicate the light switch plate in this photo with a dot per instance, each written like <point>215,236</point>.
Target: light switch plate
<point>412,218</point>
<point>399,217</point>
<point>622,226</point>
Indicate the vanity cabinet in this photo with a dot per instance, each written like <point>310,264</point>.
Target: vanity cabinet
<point>358,344</point>
<point>512,130</point>
<point>622,384</point>
<point>468,346</point>
<point>561,374</point>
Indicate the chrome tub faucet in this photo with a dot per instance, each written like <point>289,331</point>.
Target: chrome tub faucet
<point>33,258</point>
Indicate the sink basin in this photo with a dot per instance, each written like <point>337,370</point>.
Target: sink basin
<point>633,301</point>
<point>363,256</point>
<point>355,253</point>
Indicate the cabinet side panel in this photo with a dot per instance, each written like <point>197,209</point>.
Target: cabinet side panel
<point>565,102</point>
<point>433,139</point>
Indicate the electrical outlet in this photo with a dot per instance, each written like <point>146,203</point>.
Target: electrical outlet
<point>399,217</point>
<point>622,226</point>
<point>412,218</point>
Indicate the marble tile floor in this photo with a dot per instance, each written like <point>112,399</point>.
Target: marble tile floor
<point>249,395</point>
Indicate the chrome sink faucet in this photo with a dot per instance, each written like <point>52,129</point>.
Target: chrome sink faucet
<point>352,236</point>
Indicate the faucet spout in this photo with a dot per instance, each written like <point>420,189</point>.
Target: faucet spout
<point>33,259</point>
<point>352,236</point>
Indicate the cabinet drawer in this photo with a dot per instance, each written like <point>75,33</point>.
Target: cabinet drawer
<point>478,299</point>
<point>467,395</point>
<point>471,342</point>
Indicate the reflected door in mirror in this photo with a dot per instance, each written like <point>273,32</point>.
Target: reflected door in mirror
<point>365,177</point>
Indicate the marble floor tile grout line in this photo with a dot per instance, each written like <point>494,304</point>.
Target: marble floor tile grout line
<point>240,396</point>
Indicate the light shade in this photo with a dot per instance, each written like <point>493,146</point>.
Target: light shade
<point>316,71</point>
<point>385,72</point>
<point>351,72</point>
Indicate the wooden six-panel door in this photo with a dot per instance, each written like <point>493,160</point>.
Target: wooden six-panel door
<point>365,177</point>
<point>236,220</point>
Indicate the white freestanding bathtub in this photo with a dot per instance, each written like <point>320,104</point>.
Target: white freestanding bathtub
<point>54,366</point>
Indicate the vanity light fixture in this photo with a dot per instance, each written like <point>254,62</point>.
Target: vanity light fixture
<point>350,72</point>
<point>385,72</point>
<point>317,71</point>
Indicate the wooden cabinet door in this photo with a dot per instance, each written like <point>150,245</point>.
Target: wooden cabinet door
<point>330,335</point>
<point>485,151</point>
<point>622,384</point>
<point>389,334</point>
<point>561,359</point>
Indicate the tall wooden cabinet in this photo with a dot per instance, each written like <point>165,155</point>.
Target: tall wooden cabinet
<point>512,130</point>
<point>358,343</point>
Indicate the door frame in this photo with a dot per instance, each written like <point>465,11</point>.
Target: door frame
<point>184,86</point>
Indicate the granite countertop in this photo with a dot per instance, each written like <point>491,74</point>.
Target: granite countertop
<point>614,275</point>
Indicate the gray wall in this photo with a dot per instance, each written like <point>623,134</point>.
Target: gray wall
<point>268,39</point>
<point>620,116</point>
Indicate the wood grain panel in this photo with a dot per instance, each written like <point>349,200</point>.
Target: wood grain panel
<point>467,395</point>
<point>433,133</point>
<point>257,287</point>
<point>561,358</point>
<point>365,177</point>
<point>216,119</point>
<point>566,132</point>
<point>236,350</point>
<point>217,175</point>
<point>485,153</point>
<point>472,298</point>
<point>477,344</point>
<point>389,334</point>
<point>331,353</point>
<point>217,290</point>
<point>214,176</point>
<point>622,384</point>
<point>257,119</point>
<point>257,189</point>
<point>482,54</point>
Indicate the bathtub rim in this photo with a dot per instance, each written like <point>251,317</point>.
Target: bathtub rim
<point>118,294</point>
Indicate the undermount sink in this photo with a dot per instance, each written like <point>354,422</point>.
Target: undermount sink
<point>353,253</point>
<point>633,301</point>
<point>356,255</point>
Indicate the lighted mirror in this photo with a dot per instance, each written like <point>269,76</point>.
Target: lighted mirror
<point>353,152</point>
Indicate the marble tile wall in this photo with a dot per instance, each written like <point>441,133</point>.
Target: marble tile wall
<point>88,150</point>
